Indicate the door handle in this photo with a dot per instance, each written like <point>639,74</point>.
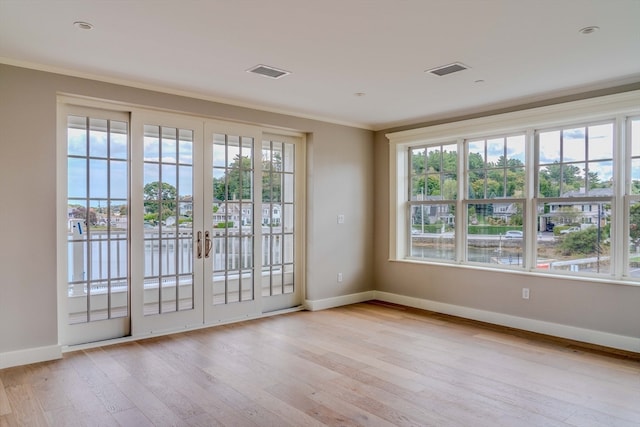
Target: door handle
<point>199,244</point>
<point>208,244</point>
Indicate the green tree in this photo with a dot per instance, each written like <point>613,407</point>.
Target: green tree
<point>634,224</point>
<point>584,242</point>
<point>160,198</point>
<point>272,178</point>
<point>236,184</point>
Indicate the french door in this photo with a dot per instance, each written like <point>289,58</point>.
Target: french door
<point>201,223</point>
<point>94,231</point>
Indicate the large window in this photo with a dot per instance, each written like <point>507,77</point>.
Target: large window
<point>575,198</point>
<point>633,199</point>
<point>554,189</point>
<point>432,201</point>
<point>494,207</point>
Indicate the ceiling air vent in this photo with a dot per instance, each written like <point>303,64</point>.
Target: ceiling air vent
<point>447,69</point>
<point>265,70</point>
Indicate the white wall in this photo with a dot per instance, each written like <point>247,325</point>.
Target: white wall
<point>339,162</point>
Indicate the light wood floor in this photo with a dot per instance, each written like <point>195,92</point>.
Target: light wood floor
<point>368,364</point>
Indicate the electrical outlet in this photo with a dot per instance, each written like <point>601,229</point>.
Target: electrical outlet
<point>339,277</point>
<point>341,219</point>
<point>525,293</point>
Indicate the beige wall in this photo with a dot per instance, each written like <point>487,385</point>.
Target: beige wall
<point>609,308</point>
<point>340,175</point>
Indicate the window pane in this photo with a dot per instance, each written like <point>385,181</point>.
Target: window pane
<point>495,152</point>
<point>601,142</point>
<point>574,236</point>
<point>516,150</point>
<point>417,161</point>
<point>634,239</point>
<point>98,179</point>
<point>185,147</point>
<point>118,141</point>
<point>169,146</point>
<point>549,147</point>
<point>476,155</point>
<point>450,158</point>
<point>515,182</point>
<point>432,231</point>
<point>97,138</point>
<point>434,159</point>
<point>573,145</point>
<point>600,178</point>
<point>77,177</point>
<point>495,233</point>
<point>635,176</point>
<point>76,136</point>
<point>549,180</point>
<point>433,186</point>
<point>635,137</point>
<point>418,187</point>
<point>476,185</point>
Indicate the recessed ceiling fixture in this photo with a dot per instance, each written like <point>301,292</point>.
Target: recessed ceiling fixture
<point>447,69</point>
<point>83,25</point>
<point>267,71</point>
<point>589,30</point>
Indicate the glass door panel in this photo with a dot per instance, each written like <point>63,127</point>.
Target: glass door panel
<point>230,222</point>
<point>97,232</point>
<point>279,274</point>
<point>169,294</point>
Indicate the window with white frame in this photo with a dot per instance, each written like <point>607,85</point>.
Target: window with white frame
<point>433,192</point>
<point>575,198</point>
<point>554,189</point>
<point>494,206</point>
<point>633,198</point>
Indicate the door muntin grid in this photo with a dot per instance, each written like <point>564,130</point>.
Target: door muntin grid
<point>278,217</point>
<point>168,219</point>
<point>97,219</point>
<point>232,219</point>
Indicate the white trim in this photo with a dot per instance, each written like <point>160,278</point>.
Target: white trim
<point>591,336</point>
<point>96,344</point>
<point>323,304</point>
<point>586,110</point>
<point>30,355</point>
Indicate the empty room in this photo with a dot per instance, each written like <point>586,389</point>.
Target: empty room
<point>296,213</point>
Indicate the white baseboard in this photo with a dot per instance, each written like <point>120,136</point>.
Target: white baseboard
<point>30,355</point>
<point>322,304</point>
<point>606,339</point>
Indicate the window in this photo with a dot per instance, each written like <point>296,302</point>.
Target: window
<point>495,173</point>
<point>575,197</point>
<point>633,197</point>
<point>432,201</point>
<point>549,190</point>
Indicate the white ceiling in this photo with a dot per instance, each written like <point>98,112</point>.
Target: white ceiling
<point>523,50</point>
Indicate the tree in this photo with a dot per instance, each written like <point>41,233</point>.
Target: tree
<point>236,184</point>
<point>272,178</point>
<point>160,199</point>
<point>634,224</point>
<point>80,212</point>
<point>584,242</point>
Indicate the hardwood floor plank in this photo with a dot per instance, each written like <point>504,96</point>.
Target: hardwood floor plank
<point>5,407</point>
<point>369,364</point>
<point>25,408</point>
